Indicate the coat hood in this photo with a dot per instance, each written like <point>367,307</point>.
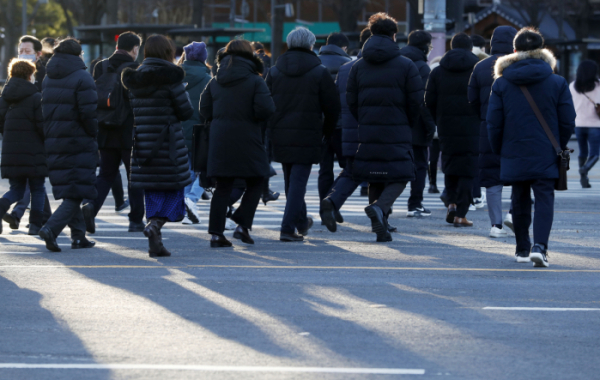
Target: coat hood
<point>62,65</point>
<point>152,73</point>
<point>380,49</point>
<point>17,89</point>
<point>502,40</point>
<point>526,67</point>
<point>297,62</point>
<point>235,67</point>
<point>195,72</point>
<point>413,53</point>
<point>332,50</point>
<point>459,60</point>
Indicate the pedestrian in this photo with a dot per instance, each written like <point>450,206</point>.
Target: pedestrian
<point>159,160</point>
<point>586,97</point>
<point>479,47</point>
<point>418,48</point>
<point>47,49</point>
<point>23,155</point>
<point>31,48</point>
<point>480,87</point>
<point>69,102</point>
<point>259,49</point>
<point>307,109</point>
<point>458,126</point>
<point>197,76</point>
<point>115,133</point>
<point>236,147</point>
<point>385,95</point>
<point>528,159</point>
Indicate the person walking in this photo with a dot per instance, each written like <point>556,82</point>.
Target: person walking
<point>115,132</point>
<point>585,91</point>
<point>458,126</point>
<point>236,148</point>
<point>259,49</point>
<point>159,160</point>
<point>307,109</point>
<point>69,103</point>
<point>385,95</point>
<point>525,80</point>
<point>23,155</point>
<point>480,87</point>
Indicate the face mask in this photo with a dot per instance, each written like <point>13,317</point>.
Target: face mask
<point>31,57</point>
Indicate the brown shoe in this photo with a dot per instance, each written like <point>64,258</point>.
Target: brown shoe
<point>451,213</point>
<point>462,222</point>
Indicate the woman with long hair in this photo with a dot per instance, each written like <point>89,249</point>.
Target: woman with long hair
<point>586,96</point>
<point>236,101</point>
<point>159,162</point>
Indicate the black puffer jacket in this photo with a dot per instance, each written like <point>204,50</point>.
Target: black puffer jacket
<point>236,144</point>
<point>159,160</point>
<point>69,102</point>
<point>307,106</point>
<point>457,121</point>
<point>332,57</point>
<point>384,94</point>
<point>22,128</point>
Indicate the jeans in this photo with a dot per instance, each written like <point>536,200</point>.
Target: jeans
<point>244,215</point>
<point>588,140</point>
<point>459,191</point>
<point>296,178</point>
<point>543,190</point>
<point>494,199</point>
<point>385,194</point>
<point>344,185</point>
<point>68,213</point>
<point>418,185</point>
<point>331,147</point>
<point>19,209</point>
<point>17,191</point>
<point>193,191</point>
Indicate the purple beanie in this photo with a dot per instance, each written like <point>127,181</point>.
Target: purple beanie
<point>196,51</point>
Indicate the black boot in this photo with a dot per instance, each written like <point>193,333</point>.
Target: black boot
<point>12,220</point>
<point>35,222</point>
<point>4,206</point>
<point>585,181</point>
<point>152,232</point>
<point>50,239</point>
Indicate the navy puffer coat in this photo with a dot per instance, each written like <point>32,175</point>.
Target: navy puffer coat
<point>347,120</point>
<point>197,76</point>
<point>332,57</point>
<point>514,131</point>
<point>69,102</point>
<point>385,94</point>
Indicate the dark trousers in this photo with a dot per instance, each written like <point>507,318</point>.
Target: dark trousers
<point>68,213</point>
<point>543,190</point>
<point>343,186</point>
<point>331,147</point>
<point>418,185</point>
<point>296,178</point>
<point>476,187</point>
<point>110,159</point>
<point>244,215</point>
<point>434,157</point>
<point>19,209</point>
<point>385,194</point>
<point>117,190</point>
<point>460,192</point>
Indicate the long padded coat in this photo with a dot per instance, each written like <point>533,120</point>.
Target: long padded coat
<point>197,76</point>
<point>236,147</point>
<point>457,120</point>
<point>347,120</point>
<point>69,102</point>
<point>307,107</point>
<point>385,94</point>
<point>159,160</point>
<point>22,128</point>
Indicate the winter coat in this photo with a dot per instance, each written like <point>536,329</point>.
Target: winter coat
<point>236,147</point>
<point>22,128</point>
<point>159,160</point>
<point>514,131</point>
<point>480,87</point>
<point>121,138</point>
<point>332,57</point>
<point>385,94</point>
<point>457,121</point>
<point>424,129</point>
<point>307,107</point>
<point>266,61</point>
<point>40,74</point>
<point>197,76</point>
<point>347,120</point>
<point>69,102</point>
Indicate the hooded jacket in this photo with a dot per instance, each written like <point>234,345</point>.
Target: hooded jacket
<point>514,131</point>
<point>22,128</point>
<point>307,107</point>
<point>480,87</point>
<point>159,160</point>
<point>236,146</point>
<point>332,57</point>
<point>69,102</point>
<point>385,94</point>
<point>457,121</point>
<point>197,76</point>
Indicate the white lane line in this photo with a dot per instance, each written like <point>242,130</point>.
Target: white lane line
<point>213,368</point>
<point>543,308</point>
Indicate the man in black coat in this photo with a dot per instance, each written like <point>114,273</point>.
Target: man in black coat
<point>419,46</point>
<point>69,104</point>
<point>115,143</point>
<point>385,95</point>
<point>458,125</point>
<point>307,109</point>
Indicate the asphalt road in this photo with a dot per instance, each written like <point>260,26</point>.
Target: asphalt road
<point>338,306</point>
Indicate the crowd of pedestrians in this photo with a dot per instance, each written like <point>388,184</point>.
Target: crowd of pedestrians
<point>386,116</point>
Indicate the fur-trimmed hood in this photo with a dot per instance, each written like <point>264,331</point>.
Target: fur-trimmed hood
<point>151,74</point>
<point>234,67</point>
<point>525,67</point>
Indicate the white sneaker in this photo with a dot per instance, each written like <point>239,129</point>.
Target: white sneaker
<point>186,220</point>
<point>472,208</point>
<point>508,222</point>
<point>192,211</point>
<point>479,202</point>
<point>496,232</point>
<point>230,225</point>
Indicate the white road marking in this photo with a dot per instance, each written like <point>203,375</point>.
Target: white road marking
<point>543,308</point>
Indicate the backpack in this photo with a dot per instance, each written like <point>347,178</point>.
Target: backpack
<point>112,107</point>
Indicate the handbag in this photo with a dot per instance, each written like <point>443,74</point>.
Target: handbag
<point>564,156</point>
<point>596,105</point>
<point>200,137</point>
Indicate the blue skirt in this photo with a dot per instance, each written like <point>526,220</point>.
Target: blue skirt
<point>165,204</point>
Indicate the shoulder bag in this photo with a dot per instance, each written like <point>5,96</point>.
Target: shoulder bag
<point>596,105</point>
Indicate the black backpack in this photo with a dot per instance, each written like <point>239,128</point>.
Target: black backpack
<point>113,108</point>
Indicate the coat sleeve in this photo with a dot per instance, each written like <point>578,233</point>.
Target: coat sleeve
<point>87,102</point>
<point>206,104</point>
<point>566,115</point>
<point>414,90</point>
<point>181,103</point>
<point>3,111</point>
<point>431,93</point>
<point>330,103</point>
<point>263,102</point>
<point>473,92</point>
<point>495,118</point>
<point>39,117</point>
<point>352,92</point>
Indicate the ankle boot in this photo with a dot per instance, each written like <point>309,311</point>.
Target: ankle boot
<point>35,222</point>
<point>585,182</point>
<point>152,232</point>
